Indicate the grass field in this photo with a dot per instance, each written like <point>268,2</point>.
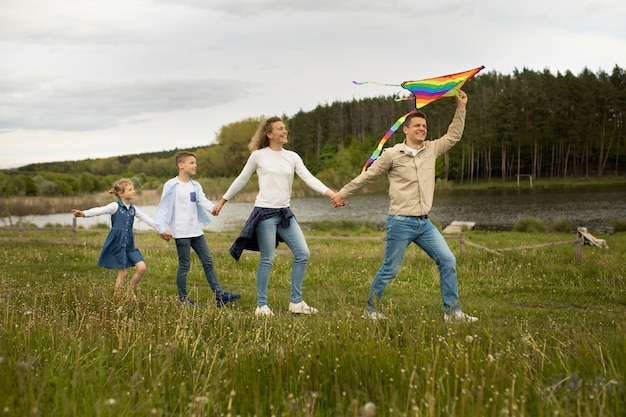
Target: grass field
<point>550,340</point>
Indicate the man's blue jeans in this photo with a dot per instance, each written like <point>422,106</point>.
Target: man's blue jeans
<point>266,231</point>
<point>199,245</point>
<point>401,231</point>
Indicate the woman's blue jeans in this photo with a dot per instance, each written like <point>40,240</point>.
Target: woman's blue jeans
<point>266,231</point>
<point>401,231</point>
<point>200,246</point>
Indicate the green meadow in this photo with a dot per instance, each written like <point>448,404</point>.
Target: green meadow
<point>550,340</point>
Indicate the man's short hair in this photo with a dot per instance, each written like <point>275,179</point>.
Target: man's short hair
<point>408,119</point>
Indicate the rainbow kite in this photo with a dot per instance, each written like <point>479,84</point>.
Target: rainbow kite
<point>424,92</point>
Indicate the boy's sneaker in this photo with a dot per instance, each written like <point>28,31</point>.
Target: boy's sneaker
<point>301,308</point>
<point>459,316</point>
<point>188,302</point>
<point>374,315</point>
<point>263,311</point>
<point>226,298</point>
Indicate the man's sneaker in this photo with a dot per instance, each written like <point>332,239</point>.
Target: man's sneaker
<point>459,316</point>
<point>226,298</point>
<point>301,308</point>
<point>263,311</point>
<point>374,315</point>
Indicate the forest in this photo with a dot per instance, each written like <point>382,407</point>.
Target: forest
<point>547,125</point>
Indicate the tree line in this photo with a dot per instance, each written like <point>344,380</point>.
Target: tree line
<point>528,122</point>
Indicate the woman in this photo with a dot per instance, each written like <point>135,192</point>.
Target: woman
<point>272,220</point>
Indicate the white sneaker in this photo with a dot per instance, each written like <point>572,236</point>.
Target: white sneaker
<point>374,315</point>
<point>301,308</point>
<point>263,311</point>
<point>459,316</point>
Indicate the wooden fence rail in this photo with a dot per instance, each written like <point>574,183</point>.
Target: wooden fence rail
<point>463,242</point>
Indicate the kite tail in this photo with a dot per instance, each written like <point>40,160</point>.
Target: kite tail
<point>390,132</point>
<point>375,83</point>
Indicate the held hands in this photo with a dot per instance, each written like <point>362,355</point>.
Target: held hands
<point>218,207</point>
<point>167,236</point>
<point>78,213</point>
<point>337,201</point>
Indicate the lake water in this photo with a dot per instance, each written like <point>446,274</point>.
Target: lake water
<point>592,207</point>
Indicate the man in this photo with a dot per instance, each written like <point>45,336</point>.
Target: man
<point>410,167</point>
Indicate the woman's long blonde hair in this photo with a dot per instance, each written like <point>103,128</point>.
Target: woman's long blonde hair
<point>260,139</point>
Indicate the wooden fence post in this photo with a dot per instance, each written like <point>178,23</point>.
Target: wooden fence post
<point>462,242</point>
<point>578,248</point>
<point>74,226</point>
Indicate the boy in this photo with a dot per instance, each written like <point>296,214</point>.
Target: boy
<point>182,209</point>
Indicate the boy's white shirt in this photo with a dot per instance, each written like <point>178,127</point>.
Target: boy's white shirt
<point>185,223</point>
<point>164,216</point>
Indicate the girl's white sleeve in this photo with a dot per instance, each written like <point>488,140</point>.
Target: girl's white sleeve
<point>145,218</point>
<point>98,211</point>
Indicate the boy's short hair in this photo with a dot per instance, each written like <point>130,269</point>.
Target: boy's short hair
<point>183,155</point>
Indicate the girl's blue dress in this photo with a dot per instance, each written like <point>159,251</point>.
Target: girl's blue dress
<point>119,249</point>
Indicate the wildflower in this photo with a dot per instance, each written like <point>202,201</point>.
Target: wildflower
<point>469,338</point>
<point>110,402</point>
<point>369,410</point>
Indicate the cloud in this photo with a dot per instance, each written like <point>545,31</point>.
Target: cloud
<point>135,73</point>
<point>68,105</point>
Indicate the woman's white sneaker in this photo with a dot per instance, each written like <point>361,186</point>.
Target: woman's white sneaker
<point>301,308</point>
<point>459,316</point>
<point>263,311</point>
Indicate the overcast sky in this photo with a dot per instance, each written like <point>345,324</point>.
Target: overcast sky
<point>88,79</point>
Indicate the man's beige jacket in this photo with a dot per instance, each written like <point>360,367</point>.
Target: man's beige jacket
<point>411,178</point>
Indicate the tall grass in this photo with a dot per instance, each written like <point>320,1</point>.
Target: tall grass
<point>550,340</point>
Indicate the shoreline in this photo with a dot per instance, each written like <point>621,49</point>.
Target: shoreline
<point>20,206</point>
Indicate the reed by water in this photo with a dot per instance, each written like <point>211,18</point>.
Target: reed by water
<point>215,187</point>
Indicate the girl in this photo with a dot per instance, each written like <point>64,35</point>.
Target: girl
<point>119,248</point>
<point>272,220</point>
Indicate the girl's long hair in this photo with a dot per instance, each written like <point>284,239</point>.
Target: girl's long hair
<point>119,186</point>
